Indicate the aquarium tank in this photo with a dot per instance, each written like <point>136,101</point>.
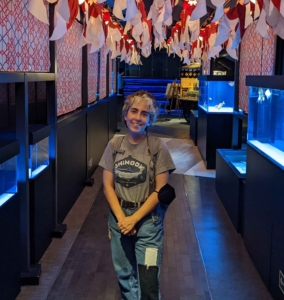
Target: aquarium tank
<point>8,179</point>
<point>266,116</point>
<point>38,157</point>
<point>237,159</point>
<point>216,94</point>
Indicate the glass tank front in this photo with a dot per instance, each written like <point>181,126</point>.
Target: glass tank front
<point>266,122</point>
<point>38,157</point>
<point>237,159</point>
<point>8,179</point>
<point>216,96</point>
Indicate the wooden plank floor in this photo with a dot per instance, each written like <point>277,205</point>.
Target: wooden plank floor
<point>87,272</point>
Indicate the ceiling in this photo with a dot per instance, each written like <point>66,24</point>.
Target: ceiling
<point>178,8</point>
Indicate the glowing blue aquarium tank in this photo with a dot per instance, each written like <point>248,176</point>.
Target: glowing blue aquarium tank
<point>266,116</point>
<point>216,94</point>
<point>38,157</point>
<point>8,169</point>
<point>237,159</point>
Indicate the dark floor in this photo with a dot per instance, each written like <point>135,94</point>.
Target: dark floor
<point>204,257</point>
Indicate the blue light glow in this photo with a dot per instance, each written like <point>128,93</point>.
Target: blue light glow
<point>216,96</point>
<point>5,197</point>
<point>36,171</point>
<point>265,123</point>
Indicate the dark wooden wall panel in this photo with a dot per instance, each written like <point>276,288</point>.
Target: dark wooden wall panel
<point>42,216</point>
<point>146,69</point>
<point>10,267</point>
<point>113,106</point>
<point>258,211</point>
<point>71,153</point>
<point>98,134</point>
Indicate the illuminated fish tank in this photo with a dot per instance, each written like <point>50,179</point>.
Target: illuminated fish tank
<point>216,94</point>
<point>266,116</point>
<point>237,159</point>
<point>38,149</point>
<point>8,169</point>
<point>39,157</point>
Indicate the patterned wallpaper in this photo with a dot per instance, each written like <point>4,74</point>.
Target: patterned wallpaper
<point>110,76</point>
<point>103,64</point>
<point>92,75</point>
<point>24,41</point>
<point>257,58</point>
<point>69,70</point>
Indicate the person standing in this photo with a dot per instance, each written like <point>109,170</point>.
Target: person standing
<point>136,167</point>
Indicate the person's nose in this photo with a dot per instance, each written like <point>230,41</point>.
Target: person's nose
<point>139,116</point>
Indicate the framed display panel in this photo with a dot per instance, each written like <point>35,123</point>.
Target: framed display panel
<point>39,148</point>
<point>10,220</point>
<point>8,169</point>
<point>266,116</point>
<point>214,132</point>
<point>216,94</point>
<point>9,146</point>
<point>230,183</point>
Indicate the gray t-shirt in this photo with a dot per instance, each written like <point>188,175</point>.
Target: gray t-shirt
<point>131,167</point>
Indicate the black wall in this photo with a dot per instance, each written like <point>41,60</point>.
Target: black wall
<point>10,267</point>
<point>42,213</point>
<point>113,116</point>
<point>81,140</point>
<point>71,166</point>
<point>258,211</point>
<point>263,219</point>
<point>157,65</point>
<point>98,135</point>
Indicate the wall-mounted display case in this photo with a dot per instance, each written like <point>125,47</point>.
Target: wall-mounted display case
<point>216,94</point>
<point>39,148</point>
<point>266,116</point>
<point>8,169</point>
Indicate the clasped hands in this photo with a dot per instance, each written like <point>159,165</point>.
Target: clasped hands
<point>126,225</point>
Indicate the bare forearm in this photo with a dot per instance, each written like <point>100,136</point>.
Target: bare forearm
<point>128,223</point>
<point>150,204</point>
<point>113,202</point>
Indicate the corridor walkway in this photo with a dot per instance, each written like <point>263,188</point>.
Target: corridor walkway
<point>204,258</point>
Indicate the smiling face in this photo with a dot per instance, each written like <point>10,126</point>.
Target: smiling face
<point>137,117</point>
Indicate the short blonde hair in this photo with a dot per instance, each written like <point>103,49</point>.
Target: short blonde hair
<point>142,96</point>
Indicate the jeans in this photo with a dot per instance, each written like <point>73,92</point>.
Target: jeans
<point>137,259</point>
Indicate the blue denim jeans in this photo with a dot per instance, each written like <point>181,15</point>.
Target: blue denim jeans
<point>142,252</point>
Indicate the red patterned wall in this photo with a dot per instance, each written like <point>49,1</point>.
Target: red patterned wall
<point>103,64</point>
<point>69,70</point>
<point>110,76</point>
<point>257,58</point>
<point>92,75</point>
<point>24,41</point>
